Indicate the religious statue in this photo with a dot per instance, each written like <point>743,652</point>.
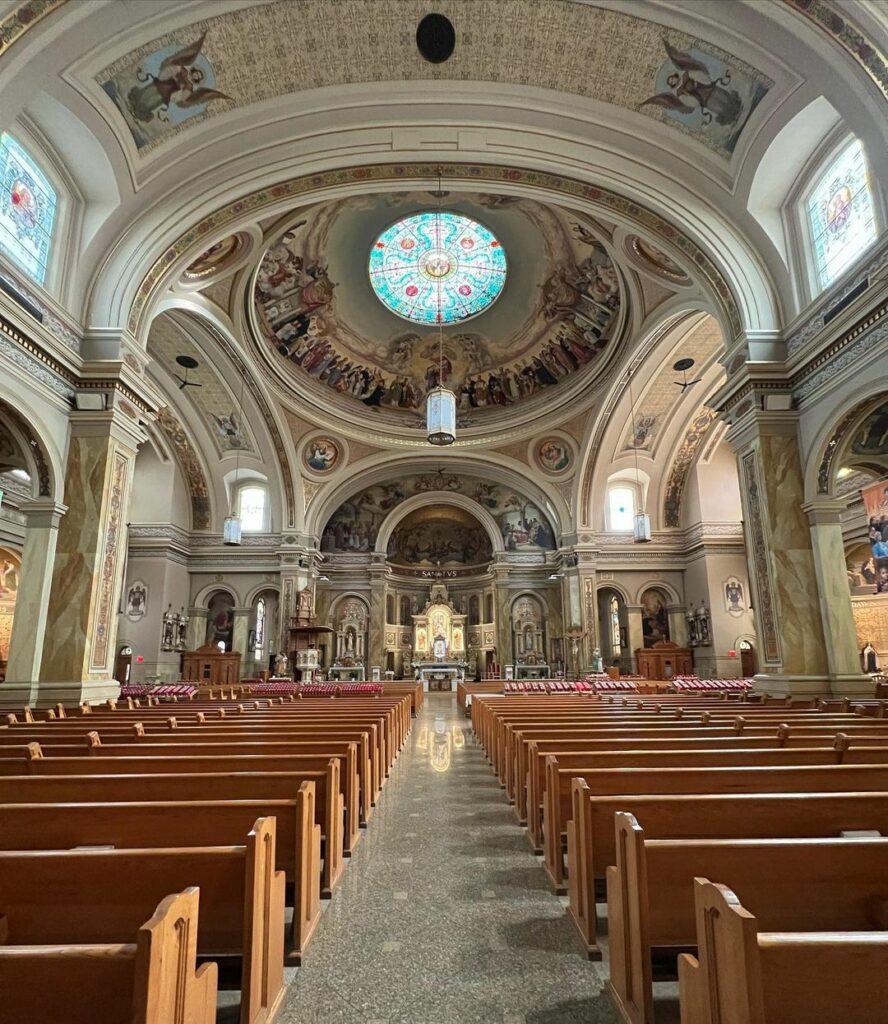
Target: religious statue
<point>281,666</point>
<point>870,662</point>
<point>597,661</point>
<point>168,634</point>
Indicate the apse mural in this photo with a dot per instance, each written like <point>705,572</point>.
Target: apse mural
<point>439,536</point>
<point>355,524</point>
<point>654,617</point>
<point>345,330</point>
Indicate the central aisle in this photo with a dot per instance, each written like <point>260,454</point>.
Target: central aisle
<point>444,915</point>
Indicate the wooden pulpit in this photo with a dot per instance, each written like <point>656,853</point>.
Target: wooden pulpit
<point>664,660</point>
<point>211,667</point>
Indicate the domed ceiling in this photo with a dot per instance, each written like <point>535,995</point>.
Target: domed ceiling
<point>552,307</point>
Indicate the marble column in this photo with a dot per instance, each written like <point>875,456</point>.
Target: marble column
<point>196,633</point>
<point>840,634</point>
<point>376,628</point>
<point>81,629</point>
<point>793,657</point>
<point>678,624</point>
<point>42,517</point>
<point>635,633</point>
<point>502,596</point>
<point>239,633</point>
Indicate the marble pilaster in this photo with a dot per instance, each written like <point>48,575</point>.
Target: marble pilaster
<point>840,634</point>
<point>793,658</point>
<point>635,633</point>
<point>81,628</point>
<point>43,516</point>
<point>504,653</point>
<point>376,628</point>
<point>239,634</point>
<point>196,631</point>
<point>678,624</point>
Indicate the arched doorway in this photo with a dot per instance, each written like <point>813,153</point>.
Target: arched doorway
<point>10,575</point>
<point>748,659</point>
<point>613,629</point>
<point>124,664</point>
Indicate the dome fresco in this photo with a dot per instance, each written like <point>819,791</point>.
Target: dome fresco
<point>437,267</point>
<point>336,317</point>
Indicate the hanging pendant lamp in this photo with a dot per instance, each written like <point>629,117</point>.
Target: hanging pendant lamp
<point>231,525</point>
<point>441,401</point>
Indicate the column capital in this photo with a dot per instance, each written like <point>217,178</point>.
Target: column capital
<point>43,513</point>
<point>824,511</point>
<point>757,421</point>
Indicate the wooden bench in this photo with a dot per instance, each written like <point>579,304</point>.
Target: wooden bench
<point>98,896</point>
<point>591,846</point>
<point>168,824</point>
<point>745,975</point>
<point>115,788</point>
<point>557,810</point>
<point>532,754</point>
<point>150,981</point>
<point>789,884</point>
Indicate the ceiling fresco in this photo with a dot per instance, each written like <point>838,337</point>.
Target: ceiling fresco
<point>354,526</point>
<point>179,80</point>
<point>315,308</point>
<point>439,536</point>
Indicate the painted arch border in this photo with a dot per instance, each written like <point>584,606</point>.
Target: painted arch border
<point>308,186</point>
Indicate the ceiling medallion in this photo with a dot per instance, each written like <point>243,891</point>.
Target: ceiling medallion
<point>437,267</point>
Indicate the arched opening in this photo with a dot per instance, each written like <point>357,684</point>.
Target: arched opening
<point>613,629</point>
<point>748,659</point>
<point>10,575</point>
<point>220,620</point>
<point>654,617</point>
<point>123,666</point>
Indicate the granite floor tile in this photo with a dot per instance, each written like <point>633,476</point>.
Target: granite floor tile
<point>444,914</point>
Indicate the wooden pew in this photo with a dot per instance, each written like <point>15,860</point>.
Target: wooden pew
<point>98,896</point>
<point>311,739</point>
<point>745,975</point>
<point>65,759</point>
<point>531,755</point>
<point>150,981</point>
<point>557,809</point>
<point>591,847</point>
<point>789,884</point>
<point>37,764</point>
<point>168,824</point>
<point>223,786</point>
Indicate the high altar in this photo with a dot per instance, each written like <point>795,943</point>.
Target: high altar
<point>439,642</point>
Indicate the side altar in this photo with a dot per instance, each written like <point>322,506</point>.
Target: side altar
<point>439,642</point>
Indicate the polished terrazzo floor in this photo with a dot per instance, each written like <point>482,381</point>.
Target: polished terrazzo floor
<point>444,914</point>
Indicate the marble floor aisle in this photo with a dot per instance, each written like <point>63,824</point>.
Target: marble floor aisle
<point>444,915</point>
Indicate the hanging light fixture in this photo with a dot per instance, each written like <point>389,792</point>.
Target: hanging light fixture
<point>231,526</point>
<point>441,401</point>
<point>641,526</point>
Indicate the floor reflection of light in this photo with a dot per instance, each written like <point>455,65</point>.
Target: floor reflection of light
<point>459,738</point>
<point>422,741</point>
<point>439,755</point>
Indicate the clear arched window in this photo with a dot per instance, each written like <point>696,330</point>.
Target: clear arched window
<point>27,210</point>
<point>620,509</point>
<point>261,617</point>
<point>840,213</point>
<point>251,507</point>
<point>616,644</point>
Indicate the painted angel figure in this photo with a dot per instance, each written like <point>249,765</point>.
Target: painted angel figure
<point>693,81</point>
<point>179,81</point>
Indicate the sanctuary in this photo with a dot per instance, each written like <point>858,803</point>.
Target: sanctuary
<point>433,436</point>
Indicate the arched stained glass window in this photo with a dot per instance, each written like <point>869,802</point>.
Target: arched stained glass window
<point>437,267</point>
<point>251,508</point>
<point>616,642</point>
<point>841,215</point>
<point>261,616</point>
<point>620,509</point>
<point>27,210</point>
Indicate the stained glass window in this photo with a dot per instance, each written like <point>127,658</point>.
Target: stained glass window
<point>27,210</point>
<point>437,267</point>
<point>260,628</point>
<point>621,509</point>
<point>841,214</point>
<point>251,509</point>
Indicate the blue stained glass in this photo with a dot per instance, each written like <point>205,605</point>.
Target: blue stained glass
<point>437,267</point>
<point>27,210</point>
